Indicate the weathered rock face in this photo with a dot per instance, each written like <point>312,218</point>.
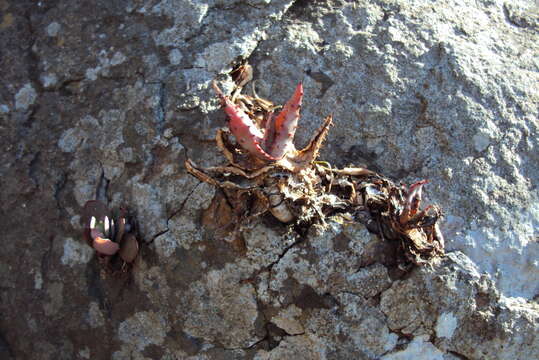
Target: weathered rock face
<point>105,99</point>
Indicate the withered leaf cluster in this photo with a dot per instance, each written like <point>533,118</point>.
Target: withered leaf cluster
<point>298,190</point>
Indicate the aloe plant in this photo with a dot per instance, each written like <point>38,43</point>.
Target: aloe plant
<point>277,138</point>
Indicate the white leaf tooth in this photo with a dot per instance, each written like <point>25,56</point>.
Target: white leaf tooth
<point>92,222</point>
<point>106,227</point>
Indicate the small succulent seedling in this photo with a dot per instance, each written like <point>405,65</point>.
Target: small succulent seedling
<point>110,236</point>
<point>101,233</point>
<point>265,172</point>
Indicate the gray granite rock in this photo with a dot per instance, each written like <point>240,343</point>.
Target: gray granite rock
<point>461,312</point>
<point>106,99</point>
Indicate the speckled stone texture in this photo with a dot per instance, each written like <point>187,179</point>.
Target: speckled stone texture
<point>106,99</point>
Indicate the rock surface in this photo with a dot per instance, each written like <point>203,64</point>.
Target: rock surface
<point>105,99</point>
